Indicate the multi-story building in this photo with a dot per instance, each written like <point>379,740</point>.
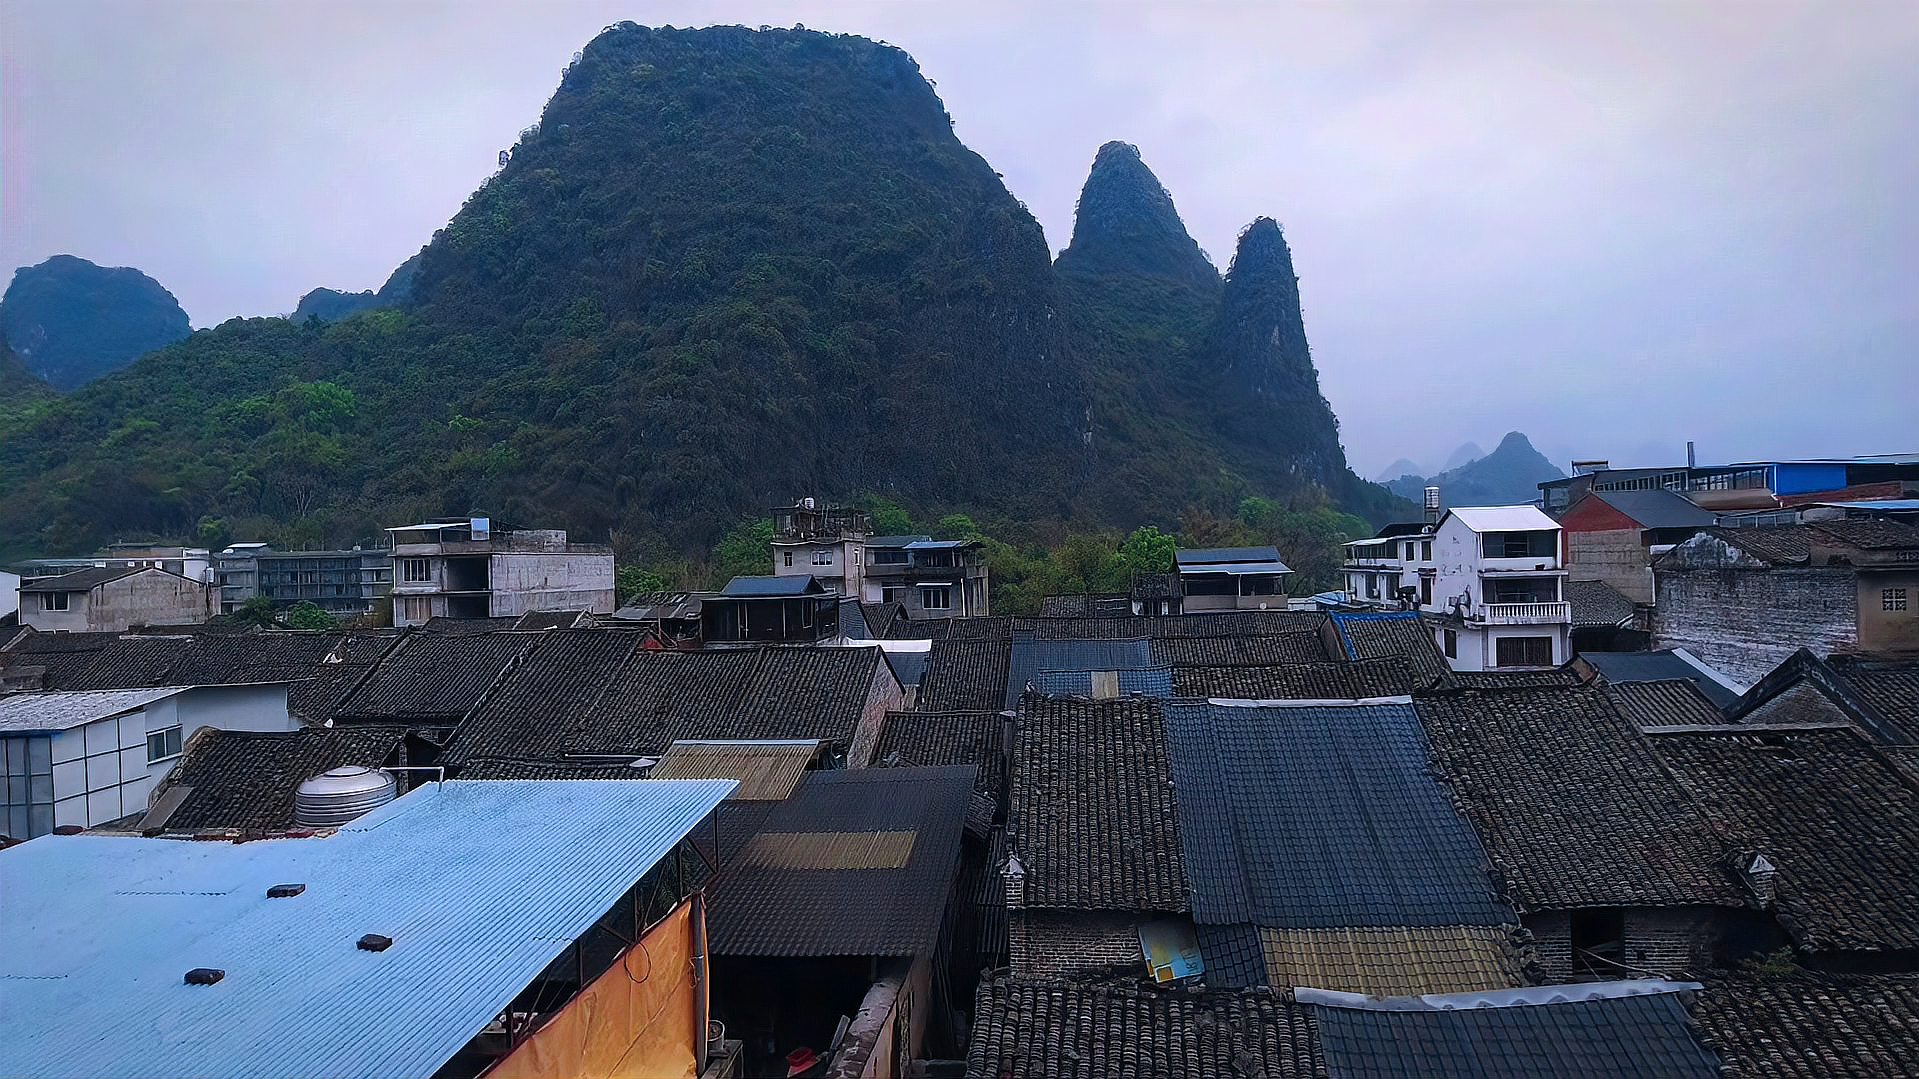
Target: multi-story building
<point>341,582</point>
<point>113,600</point>
<point>930,578</point>
<point>824,543</point>
<point>1488,579</point>
<point>463,567</point>
<point>1746,485</point>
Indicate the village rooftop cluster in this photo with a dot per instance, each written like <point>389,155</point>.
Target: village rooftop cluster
<point>1623,783</point>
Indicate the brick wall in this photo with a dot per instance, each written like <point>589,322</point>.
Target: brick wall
<point>1745,621</point>
<point>1047,943</point>
<point>882,696</point>
<point>1616,557</point>
<point>1663,941</point>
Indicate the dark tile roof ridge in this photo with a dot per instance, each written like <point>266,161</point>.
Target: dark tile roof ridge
<point>1806,666</point>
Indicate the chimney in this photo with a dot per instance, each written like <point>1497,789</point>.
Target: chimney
<point>1760,877</point>
<point>1015,874</point>
<point>1432,505</point>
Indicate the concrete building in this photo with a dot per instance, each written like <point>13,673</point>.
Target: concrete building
<point>771,610</point>
<point>86,758</point>
<point>9,594</point>
<point>342,582</point>
<point>463,567</point>
<point>1745,485</point>
<point>1745,599</point>
<point>1612,536</point>
<point>1231,579</point>
<point>195,563</point>
<point>825,543</point>
<point>114,600</point>
<point>1489,580</point>
<point>930,578</point>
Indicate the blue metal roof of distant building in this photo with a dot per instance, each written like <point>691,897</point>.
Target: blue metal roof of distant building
<point>894,541</point>
<point>1876,505</point>
<point>1139,682</point>
<point>1196,556</point>
<point>1307,816</point>
<point>754,587</point>
<point>1644,1035</point>
<point>480,884</point>
<point>938,545</point>
<point>1659,666</point>
<point>1031,655</point>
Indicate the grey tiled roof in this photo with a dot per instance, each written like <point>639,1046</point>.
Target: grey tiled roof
<point>1889,687</point>
<point>83,580</point>
<point>1301,646</point>
<point>1109,605</point>
<point>947,738</point>
<point>549,770</point>
<point>1300,681</point>
<point>1572,802</point>
<point>1205,624</point>
<point>1392,633</point>
<point>1034,1029</point>
<point>1657,666</point>
<point>1635,1037</point>
<point>966,675</point>
<point>828,903</point>
<point>1812,1026</point>
<point>435,677</point>
<point>1836,818</point>
<point>244,781</point>
<point>1092,813</point>
<point>1596,603</point>
<point>1655,704</point>
<point>1320,817</point>
<point>1657,509</point>
<point>595,691</point>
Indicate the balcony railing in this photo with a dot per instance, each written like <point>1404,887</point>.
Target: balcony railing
<point>1524,614</point>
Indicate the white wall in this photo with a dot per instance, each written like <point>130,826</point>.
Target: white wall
<point>9,593</point>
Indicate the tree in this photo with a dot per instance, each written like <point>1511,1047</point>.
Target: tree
<point>308,615</point>
<point>1147,550</point>
<point>747,551</point>
<point>888,517</point>
<point>257,611</point>
<point>630,581</point>
<point>957,526</point>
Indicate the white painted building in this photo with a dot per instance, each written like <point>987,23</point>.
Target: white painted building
<point>1489,579</point>
<point>90,757</point>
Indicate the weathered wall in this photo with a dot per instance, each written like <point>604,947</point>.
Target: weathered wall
<point>1745,621</point>
<point>882,696</point>
<point>1046,943</point>
<point>551,581</point>
<point>75,619</point>
<point>1661,941</point>
<point>1616,557</point>
<point>154,599</point>
<point>1881,630</point>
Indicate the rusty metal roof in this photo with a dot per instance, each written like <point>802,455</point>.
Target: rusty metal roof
<point>767,770</point>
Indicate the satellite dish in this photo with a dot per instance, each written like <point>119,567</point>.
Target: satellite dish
<point>505,156</point>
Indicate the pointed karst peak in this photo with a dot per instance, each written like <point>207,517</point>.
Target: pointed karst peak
<point>1126,221</point>
<point>1262,252</point>
<point>1514,441</point>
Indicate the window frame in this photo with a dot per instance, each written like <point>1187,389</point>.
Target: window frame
<point>56,601</point>
<point>788,555</point>
<point>1449,643</point>
<point>946,593</point>
<point>175,744</point>
<point>425,567</point>
<point>1893,599</point>
<point>822,556</point>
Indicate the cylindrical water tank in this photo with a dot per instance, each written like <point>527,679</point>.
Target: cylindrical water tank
<point>333,798</point>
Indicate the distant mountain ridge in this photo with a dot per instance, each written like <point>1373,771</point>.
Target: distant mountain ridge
<point>332,305</point>
<point>70,321</point>
<point>1510,475</point>
<point>727,266</point>
<point>1466,454</point>
<point>1401,467</point>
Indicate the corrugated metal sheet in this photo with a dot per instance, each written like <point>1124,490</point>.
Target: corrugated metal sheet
<point>1504,518</point>
<point>766,771</point>
<point>1145,682</point>
<point>1393,961</point>
<point>61,711</point>
<point>1321,816</point>
<point>480,885</point>
<point>1032,655</point>
<point>829,850</point>
<point>1616,1038</point>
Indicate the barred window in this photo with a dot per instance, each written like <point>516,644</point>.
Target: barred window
<point>1892,599</point>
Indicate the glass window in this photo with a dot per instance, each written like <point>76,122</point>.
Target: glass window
<point>823,557</point>
<point>936,598</point>
<point>163,745</point>
<point>1425,550</point>
<point>416,570</point>
<point>1409,551</point>
<point>1451,643</point>
<point>789,557</point>
<point>1892,599</point>
<point>53,601</point>
<point>1523,652</point>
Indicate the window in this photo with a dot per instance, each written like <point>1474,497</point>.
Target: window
<point>1425,550</point>
<point>1372,586</point>
<point>1451,643</point>
<point>1426,591</point>
<point>1520,545</point>
<point>1892,599</point>
<point>1523,652</point>
<point>936,598</point>
<point>163,745</point>
<point>892,593</point>
<point>788,555</point>
<point>1409,551</point>
<point>889,556</point>
<point>823,557</point>
<point>416,608</point>
<point>416,570</point>
<point>53,601</point>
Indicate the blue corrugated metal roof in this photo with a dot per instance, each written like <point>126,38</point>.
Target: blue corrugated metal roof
<point>1631,1037</point>
<point>1031,655</point>
<point>1143,682</point>
<point>768,586</point>
<point>1342,619</point>
<point>1321,816</point>
<point>480,885</point>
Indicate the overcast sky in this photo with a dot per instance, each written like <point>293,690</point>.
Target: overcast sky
<point>1614,227</point>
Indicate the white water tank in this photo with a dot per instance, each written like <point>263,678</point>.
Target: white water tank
<point>334,798</point>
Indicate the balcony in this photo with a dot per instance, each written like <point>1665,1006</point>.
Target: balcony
<point>1523,614</point>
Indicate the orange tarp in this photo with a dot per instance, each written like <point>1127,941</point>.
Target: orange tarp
<point>634,1022</point>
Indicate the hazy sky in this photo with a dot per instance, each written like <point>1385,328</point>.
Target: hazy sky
<point>1614,227</point>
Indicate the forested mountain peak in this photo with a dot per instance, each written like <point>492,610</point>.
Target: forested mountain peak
<point>1509,475</point>
<point>71,321</point>
<point>1125,220</point>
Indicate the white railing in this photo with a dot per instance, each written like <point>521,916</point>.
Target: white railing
<point>1525,614</point>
